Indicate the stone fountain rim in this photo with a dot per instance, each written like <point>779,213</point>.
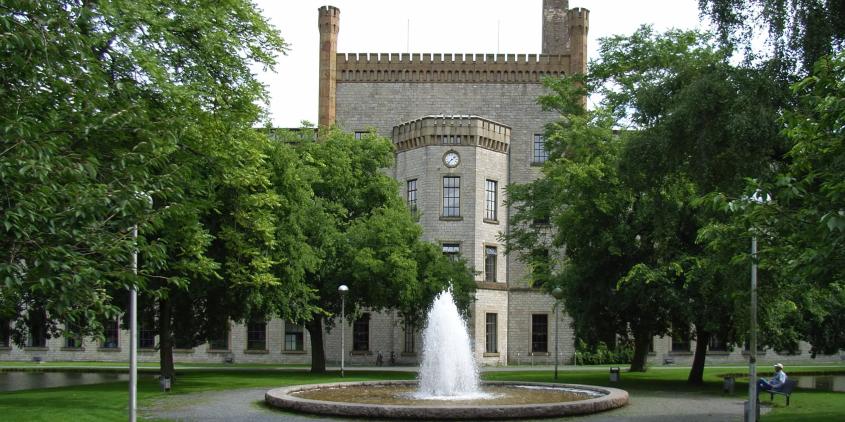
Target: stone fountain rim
<point>282,398</point>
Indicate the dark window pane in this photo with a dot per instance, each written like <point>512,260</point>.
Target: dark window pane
<point>361,334</point>
<point>491,342</point>
<point>490,264</point>
<point>294,337</point>
<point>539,333</point>
<point>540,154</point>
<point>256,336</point>
<point>451,196</point>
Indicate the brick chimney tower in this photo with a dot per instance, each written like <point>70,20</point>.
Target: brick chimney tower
<point>579,26</point>
<point>329,23</point>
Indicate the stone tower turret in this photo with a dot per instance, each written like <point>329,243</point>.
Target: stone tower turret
<point>579,24</point>
<point>329,24</point>
<point>555,27</point>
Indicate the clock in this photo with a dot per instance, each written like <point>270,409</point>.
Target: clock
<point>451,159</point>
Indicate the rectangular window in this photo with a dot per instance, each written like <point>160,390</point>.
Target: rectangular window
<point>491,199</point>
<point>491,341</point>
<point>72,338</point>
<point>294,337</point>
<point>220,339</point>
<point>452,250</point>
<point>410,334</point>
<point>256,335</point>
<point>359,135</point>
<point>451,196</point>
<point>540,154</point>
<point>540,333</point>
<point>111,332</point>
<point>37,324</point>
<point>716,344</point>
<point>361,334</point>
<point>680,344</point>
<point>5,333</point>
<point>412,195</point>
<point>146,336</point>
<point>450,139</point>
<point>490,264</point>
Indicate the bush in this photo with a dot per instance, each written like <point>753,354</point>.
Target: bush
<point>600,354</point>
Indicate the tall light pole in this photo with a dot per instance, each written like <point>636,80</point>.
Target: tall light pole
<point>342,290</point>
<point>759,198</point>
<point>557,293</point>
<point>133,321</point>
<point>133,331</point>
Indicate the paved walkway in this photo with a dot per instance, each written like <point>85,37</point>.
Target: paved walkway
<point>248,405</point>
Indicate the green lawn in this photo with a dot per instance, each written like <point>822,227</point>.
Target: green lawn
<point>108,401</point>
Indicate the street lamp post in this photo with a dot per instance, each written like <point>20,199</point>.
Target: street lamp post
<point>557,293</point>
<point>342,290</point>
<point>752,355</point>
<point>133,322</point>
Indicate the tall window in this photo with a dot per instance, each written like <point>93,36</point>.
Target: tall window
<point>539,333</point>
<point>111,332</point>
<point>491,198</point>
<point>540,154</point>
<point>451,196</point>
<point>294,337</point>
<point>72,338</point>
<point>361,334</point>
<point>220,339</point>
<point>412,194</point>
<point>490,264</point>
<point>37,324</point>
<point>491,342</point>
<point>452,250</point>
<point>5,333</point>
<point>146,336</point>
<point>410,332</point>
<point>256,335</point>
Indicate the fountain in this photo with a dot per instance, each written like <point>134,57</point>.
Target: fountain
<point>448,386</point>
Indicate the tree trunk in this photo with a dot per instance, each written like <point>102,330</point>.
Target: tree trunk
<point>638,363</point>
<point>696,374</point>
<point>318,352</point>
<point>165,336</point>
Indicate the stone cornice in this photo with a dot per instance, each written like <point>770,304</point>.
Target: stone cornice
<point>449,68</point>
<point>450,131</point>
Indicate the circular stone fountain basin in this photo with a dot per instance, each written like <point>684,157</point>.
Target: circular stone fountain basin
<point>393,399</point>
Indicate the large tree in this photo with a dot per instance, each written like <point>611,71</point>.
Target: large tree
<point>109,100</point>
<point>366,238</point>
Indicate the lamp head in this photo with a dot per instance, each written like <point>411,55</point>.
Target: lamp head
<point>343,290</point>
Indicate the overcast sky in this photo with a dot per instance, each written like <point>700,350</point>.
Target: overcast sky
<point>434,26</point>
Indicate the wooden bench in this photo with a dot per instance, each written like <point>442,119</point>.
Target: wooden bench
<point>786,390</point>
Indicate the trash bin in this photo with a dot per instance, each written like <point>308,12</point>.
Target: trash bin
<point>728,384</point>
<point>164,382</point>
<point>746,411</point>
<point>614,374</point>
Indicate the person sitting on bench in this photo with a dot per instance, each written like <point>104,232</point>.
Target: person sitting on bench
<point>774,384</point>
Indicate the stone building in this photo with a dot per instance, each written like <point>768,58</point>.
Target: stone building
<point>464,126</point>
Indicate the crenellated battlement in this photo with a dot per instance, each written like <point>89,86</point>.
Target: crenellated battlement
<point>452,130</point>
<point>578,17</point>
<point>449,67</point>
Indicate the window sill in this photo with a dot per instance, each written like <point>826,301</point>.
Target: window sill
<point>294,352</point>
<point>72,349</point>
<point>109,349</point>
<point>360,353</point>
<point>218,351</point>
<point>680,353</point>
<point>537,163</point>
<point>451,218</point>
<point>408,354</point>
<point>489,221</point>
<point>491,354</point>
<point>539,354</point>
<point>256,352</point>
<point>35,349</point>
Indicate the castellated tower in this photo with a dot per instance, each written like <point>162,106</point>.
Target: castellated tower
<point>555,27</point>
<point>579,25</point>
<point>329,24</point>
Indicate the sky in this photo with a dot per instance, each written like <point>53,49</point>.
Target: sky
<point>434,26</point>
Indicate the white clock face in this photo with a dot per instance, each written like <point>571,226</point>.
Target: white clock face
<point>451,159</point>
